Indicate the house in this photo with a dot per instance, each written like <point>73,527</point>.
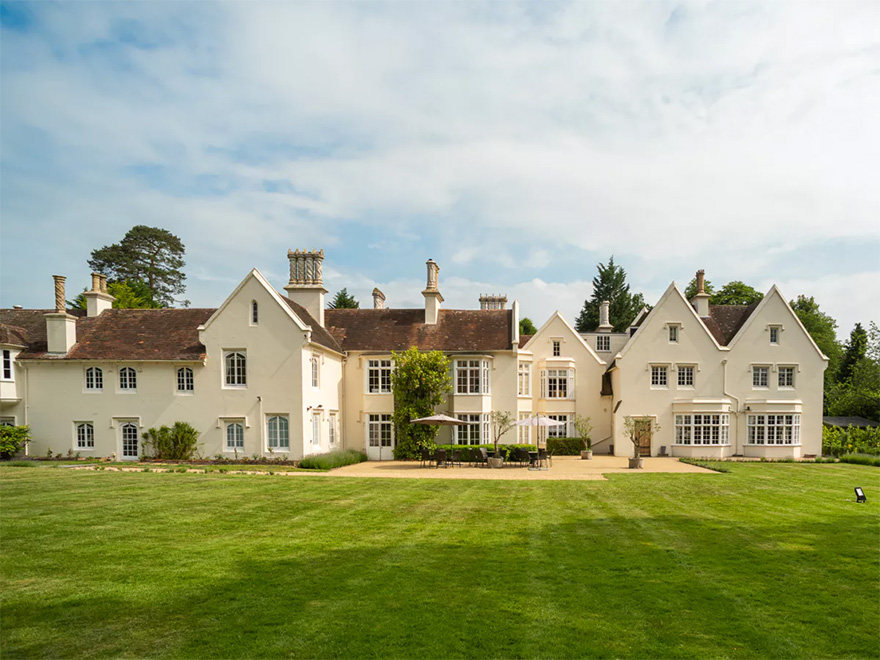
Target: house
<point>276,374</point>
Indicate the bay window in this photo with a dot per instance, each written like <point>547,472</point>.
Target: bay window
<point>472,376</point>
<point>557,384</point>
<point>702,429</point>
<point>784,429</point>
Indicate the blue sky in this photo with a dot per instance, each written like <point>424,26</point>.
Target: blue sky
<point>518,145</point>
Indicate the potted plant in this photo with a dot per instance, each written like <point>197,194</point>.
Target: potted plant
<point>502,422</point>
<point>633,429</point>
<point>584,427</point>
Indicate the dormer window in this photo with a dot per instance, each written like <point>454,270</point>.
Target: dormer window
<point>774,335</point>
<point>255,313</point>
<point>557,348</point>
<point>673,333</point>
<point>603,343</point>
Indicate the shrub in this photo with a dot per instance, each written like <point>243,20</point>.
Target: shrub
<point>851,440</point>
<point>333,459</point>
<point>468,452</point>
<point>12,440</point>
<point>179,442</point>
<point>861,459</point>
<point>565,446</point>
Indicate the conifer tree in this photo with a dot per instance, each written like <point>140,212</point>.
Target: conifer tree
<point>610,284</point>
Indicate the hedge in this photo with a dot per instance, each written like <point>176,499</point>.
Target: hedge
<point>837,441</point>
<point>565,446</point>
<point>861,459</point>
<point>12,440</point>
<point>333,459</point>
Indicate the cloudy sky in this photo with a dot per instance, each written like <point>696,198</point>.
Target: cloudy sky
<point>516,144</point>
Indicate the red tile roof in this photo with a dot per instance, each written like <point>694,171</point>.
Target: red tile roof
<point>13,335</point>
<point>456,330</point>
<point>524,339</point>
<point>724,321</point>
<point>319,334</point>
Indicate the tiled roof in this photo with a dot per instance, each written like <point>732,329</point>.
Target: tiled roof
<point>13,335</point>
<point>456,330</point>
<point>524,339</point>
<point>319,334</point>
<point>724,321</point>
<point>125,334</point>
<point>33,323</point>
<point>845,422</point>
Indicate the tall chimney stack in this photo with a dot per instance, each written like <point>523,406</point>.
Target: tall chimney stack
<point>432,293</point>
<point>98,300</point>
<point>604,317</point>
<point>493,302</point>
<point>306,285</point>
<point>700,301</point>
<point>378,299</point>
<point>60,326</point>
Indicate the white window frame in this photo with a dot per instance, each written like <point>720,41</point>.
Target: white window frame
<point>8,372</point>
<point>710,429</point>
<point>524,379</point>
<point>524,433</point>
<point>773,429</point>
<point>790,381</point>
<point>332,431</point>
<point>659,376</point>
<point>186,377</point>
<point>774,331</point>
<point>277,435</point>
<point>760,376</point>
<point>557,383</point>
<point>560,431</point>
<point>682,375</point>
<point>7,421</point>
<point>476,429</point>
<point>240,423</point>
<point>471,377</point>
<point>235,369</point>
<point>378,424</point>
<point>255,313</point>
<point>85,432</point>
<point>605,345</point>
<point>316,430</point>
<point>556,347</point>
<point>381,368</point>
<point>315,364</point>
<point>127,379</point>
<point>673,329</point>
<point>96,382</point>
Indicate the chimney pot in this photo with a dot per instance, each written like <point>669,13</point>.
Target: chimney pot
<point>60,302</point>
<point>16,307</point>
<point>701,281</point>
<point>378,299</point>
<point>604,317</point>
<point>96,281</point>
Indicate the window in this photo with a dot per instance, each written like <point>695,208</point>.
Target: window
<point>685,376</point>
<point>85,435</point>
<point>255,313</point>
<point>236,369</point>
<point>234,436</point>
<point>94,379</point>
<point>673,334</point>
<point>8,374</point>
<point>774,429</point>
<point>7,421</point>
<point>524,379</point>
<point>316,370</point>
<point>702,429</point>
<point>185,380</point>
<point>379,376</point>
<point>658,376</point>
<point>557,384</point>
<point>557,348</point>
<point>760,376</point>
<point>127,379</point>
<point>475,433</point>
<point>277,432</point>
<point>603,343</point>
<point>379,431</point>
<point>774,334</point>
<point>786,376</point>
<point>331,429</point>
<point>316,429</point>
<point>558,431</point>
<point>524,432</point>
<point>472,377</point>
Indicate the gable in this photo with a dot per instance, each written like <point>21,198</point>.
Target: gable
<point>558,326</point>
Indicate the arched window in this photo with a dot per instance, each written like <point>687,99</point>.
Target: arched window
<point>94,378</point>
<point>85,436</point>
<point>255,313</point>
<point>279,437</point>
<point>185,379</point>
<point>234,437</point>
<point>129,441</point>
<point>127,379</point>
<point>236,369</point>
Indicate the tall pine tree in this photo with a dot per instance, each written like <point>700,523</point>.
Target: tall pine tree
<point>854,352</point>
<point>342,300</point>
<point>610,284</point>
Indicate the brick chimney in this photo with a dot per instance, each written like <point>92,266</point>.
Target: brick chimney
<point>493,301</point>
<point>604,317</point>
<point>306,285</point>
<point>700,301</point>
<point>97,300</point>
<point>432,293</point>
<point>378,299</point>
<point>60,326</point>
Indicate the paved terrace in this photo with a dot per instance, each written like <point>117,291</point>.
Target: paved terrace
<point>565,468</point>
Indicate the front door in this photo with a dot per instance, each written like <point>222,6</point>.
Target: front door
<point>380,438</point>
<point>129,442</point>
<point>643,429</point>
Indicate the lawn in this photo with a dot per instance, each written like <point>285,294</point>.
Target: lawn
<point>770,560</point>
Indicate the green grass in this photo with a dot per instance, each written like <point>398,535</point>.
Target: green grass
<point>770,560</point>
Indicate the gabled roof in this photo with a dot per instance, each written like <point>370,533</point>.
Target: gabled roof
<point>319,334</point>
<point>558,314</point>
<point>456,330</point>
<point>524,339</point>
<point>724,321</point>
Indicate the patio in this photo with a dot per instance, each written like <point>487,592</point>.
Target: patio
<point>565,468</point>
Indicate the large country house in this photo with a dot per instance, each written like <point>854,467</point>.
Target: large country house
<point>278,374</point>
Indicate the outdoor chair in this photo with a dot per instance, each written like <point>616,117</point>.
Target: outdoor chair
<point>426,457</point>
<point>481,457</point>
<point>456,457</point>
<point>522,456</point>
<point>440,457</point>
<point>544,457</point>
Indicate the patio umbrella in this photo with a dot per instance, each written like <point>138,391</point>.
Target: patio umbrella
<point>439,420</point>
<point>539,421</point>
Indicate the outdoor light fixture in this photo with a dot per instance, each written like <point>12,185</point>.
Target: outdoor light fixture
<point>860,495</point>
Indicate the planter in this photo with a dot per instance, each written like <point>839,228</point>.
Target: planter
<point>636,463</point>
<point>587,455</point>
<point>496,462</point>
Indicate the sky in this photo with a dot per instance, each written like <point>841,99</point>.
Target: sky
<point>516,144</point>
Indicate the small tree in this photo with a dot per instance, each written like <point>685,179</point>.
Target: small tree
<point>736,293</point>
<point>526,326</point>
<point>419,381</point>
<point>502,422</point>
<point>177,443</point>
<point>634,427</point>
<point>342,300</point>
<point>583,426</point>
<point>12,440</point>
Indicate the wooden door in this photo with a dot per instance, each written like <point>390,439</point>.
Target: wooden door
<point>643,429</point>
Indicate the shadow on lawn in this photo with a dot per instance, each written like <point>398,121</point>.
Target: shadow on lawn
<point>664,586</point>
